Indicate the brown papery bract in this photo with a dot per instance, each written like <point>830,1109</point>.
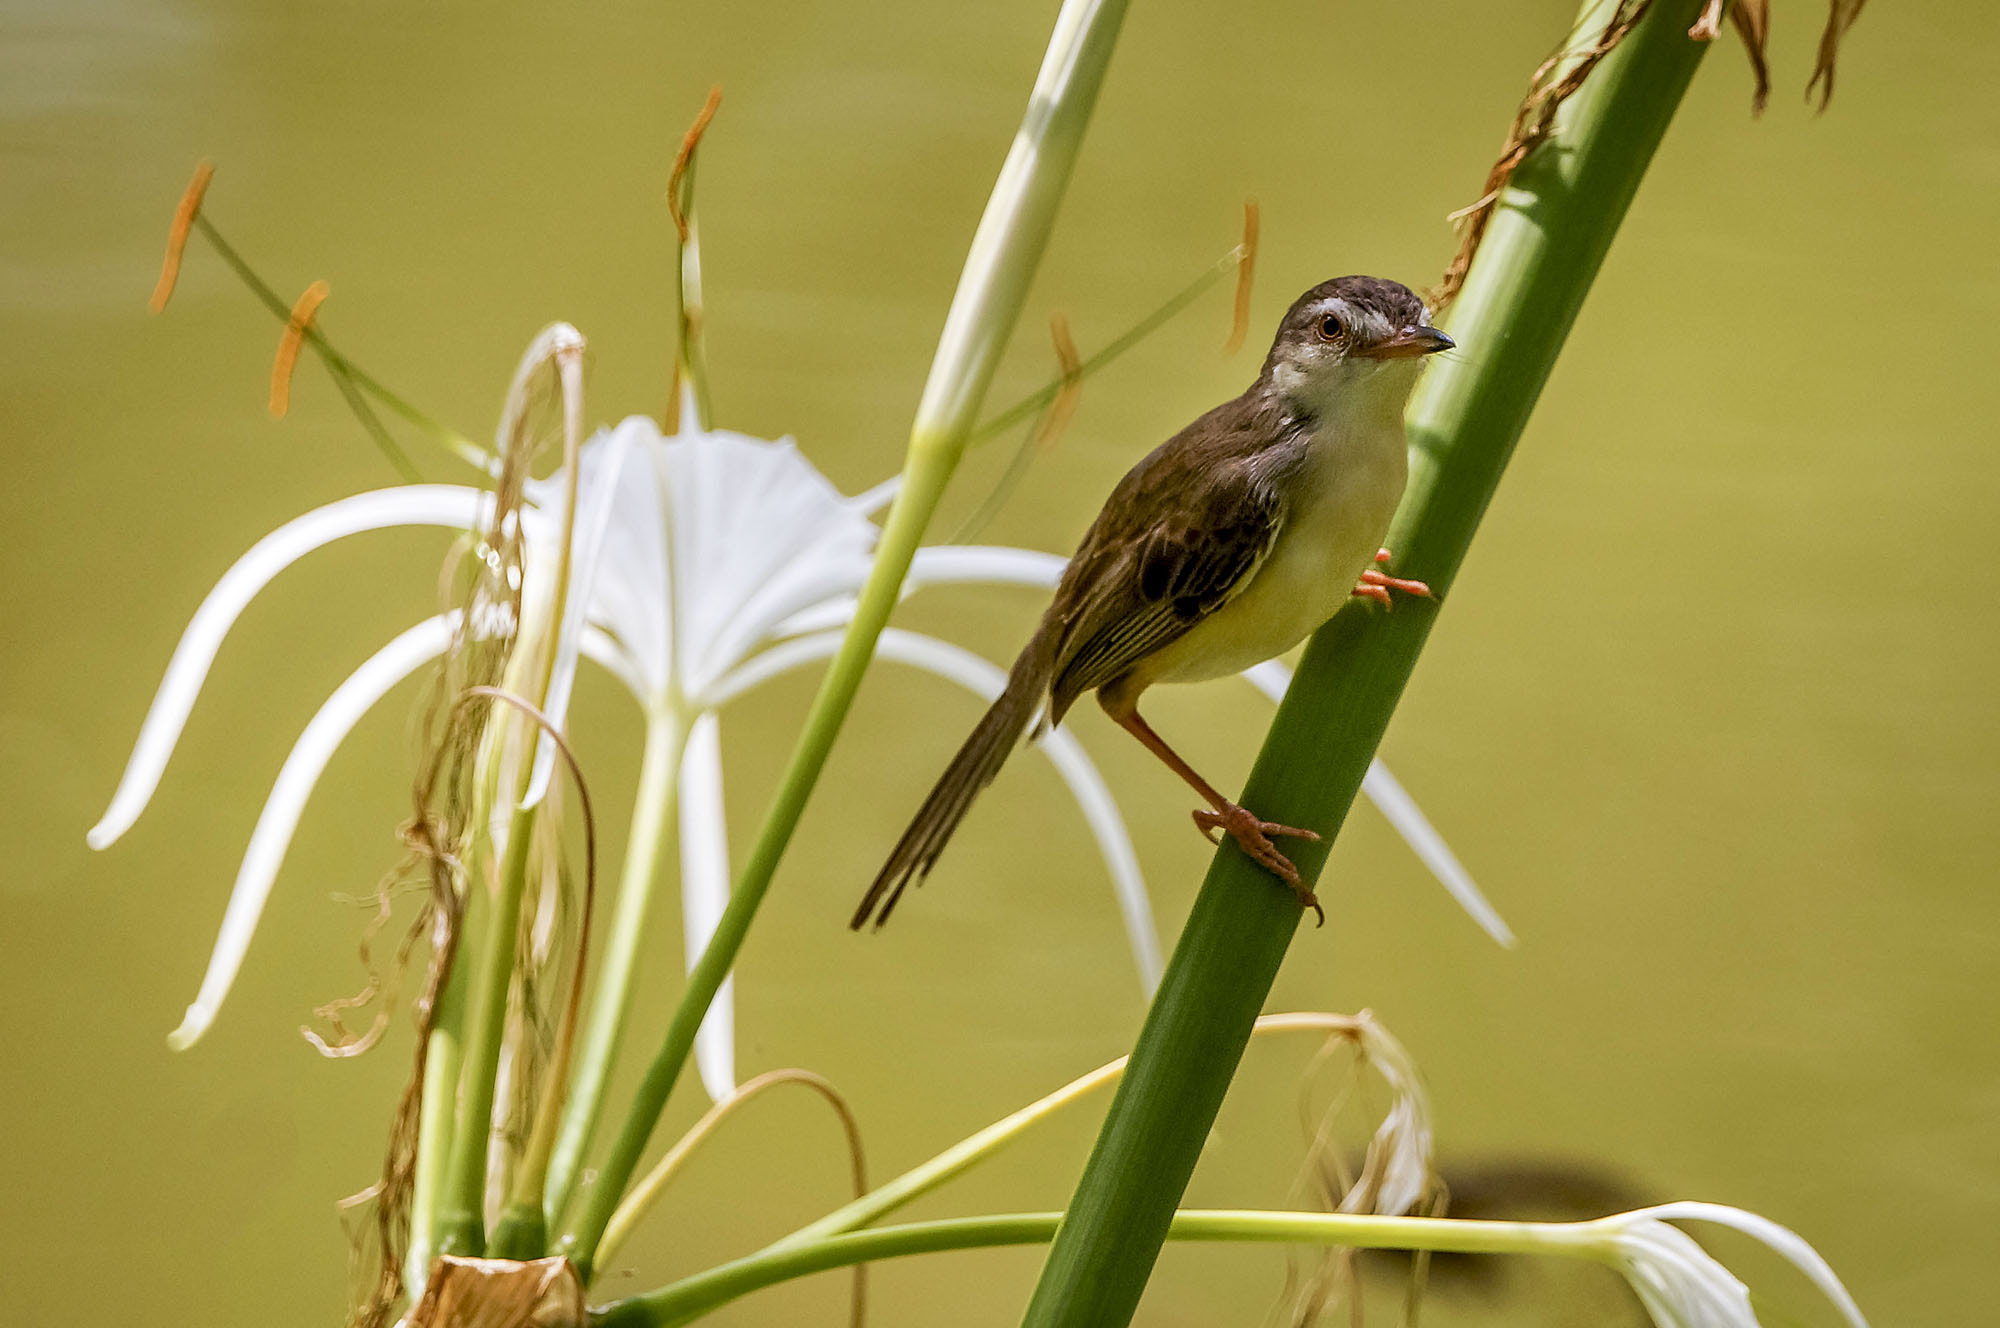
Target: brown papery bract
<point>1559,77</point>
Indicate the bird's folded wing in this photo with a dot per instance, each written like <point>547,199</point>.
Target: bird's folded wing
<point>1174,545</point>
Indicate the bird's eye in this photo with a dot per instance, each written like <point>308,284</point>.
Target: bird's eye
<point>1329,328</point>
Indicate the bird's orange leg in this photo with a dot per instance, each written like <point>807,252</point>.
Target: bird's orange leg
<point>1251,834</point>
<point>1377,585</point>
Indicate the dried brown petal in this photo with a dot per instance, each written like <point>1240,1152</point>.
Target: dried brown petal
<point>499,1293</point>
<point>685,156</point>
<point>1246,269</point>
<point>1752,21</point>
<point>1553,83</point>
<point>1840,16</point>
<point>1709,26</point>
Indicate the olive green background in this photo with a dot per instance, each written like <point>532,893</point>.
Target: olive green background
<point>1712,714</point>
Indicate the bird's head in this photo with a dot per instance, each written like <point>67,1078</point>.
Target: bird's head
<point>1348,336</point>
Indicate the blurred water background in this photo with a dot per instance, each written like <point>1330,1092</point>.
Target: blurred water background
<point>1712,714</point>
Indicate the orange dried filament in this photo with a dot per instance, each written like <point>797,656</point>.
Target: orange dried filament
<point>288,347</point>
<point>177,238</point>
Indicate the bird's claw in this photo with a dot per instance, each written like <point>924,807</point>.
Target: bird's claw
<point>1377,585</point>
<point>1253,836</point>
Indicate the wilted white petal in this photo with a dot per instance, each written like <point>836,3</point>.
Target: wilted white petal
<point>280,817</point>
<point>597,487</point>
<point>413,505</point>
<point>1093,796</point>
<point>1783,1240</point>
<point>705,893</point>
<point>1401,811</point>
<point>1396,1174</point>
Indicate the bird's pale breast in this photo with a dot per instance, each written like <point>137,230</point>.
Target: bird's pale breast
<point>1338,511</point>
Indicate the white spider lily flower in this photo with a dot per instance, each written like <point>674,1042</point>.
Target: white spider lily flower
<point>1683,1286</point>
<point>706,564</point>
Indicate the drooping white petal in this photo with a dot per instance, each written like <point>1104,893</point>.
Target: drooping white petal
<point>1272,677</point>
<point>705,893</point>
<point>280,817</point>
<point>448,505</point>
<point>1680,1285</point>
<point>1086,785</point>
<point>1783,1240</point>
<point>1398,1166</point>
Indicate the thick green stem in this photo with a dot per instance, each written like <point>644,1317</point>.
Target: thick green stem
<point>1005,252</point>
<point>461,1219</point>
<point>611,1001</point>
<point>694,1296</point>
<point>1543,248</point>
<point>443,1060</point>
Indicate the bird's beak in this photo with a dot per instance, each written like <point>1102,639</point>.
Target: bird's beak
<point>1411,341</point>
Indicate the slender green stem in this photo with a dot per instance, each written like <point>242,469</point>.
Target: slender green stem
<point>1554,225</point>
<point>695,1296</point>
<point>611,998</point>
<point>1005,252</point>
<point>442,1062</point>
<point>461,1209</point>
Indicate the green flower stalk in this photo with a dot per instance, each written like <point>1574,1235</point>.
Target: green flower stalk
<point>1005,252</point>
<point>1544,242</point>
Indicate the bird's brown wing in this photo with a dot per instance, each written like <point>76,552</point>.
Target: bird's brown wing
<point>1182,534</point>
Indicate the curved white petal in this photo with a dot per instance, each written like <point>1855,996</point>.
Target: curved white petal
<point>1782,1240</point>
<point>280,817</point>
<point>1400,809</point>
<point>937,563</point>
<point>870,501</point>
<point>705,893</point>
<point>1093,796</point>
<point>598,481</point>
<point>450,505</point>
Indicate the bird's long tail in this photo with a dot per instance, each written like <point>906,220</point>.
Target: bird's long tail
<point>979,759</point>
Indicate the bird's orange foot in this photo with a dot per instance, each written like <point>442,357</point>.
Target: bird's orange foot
<point>1253,836</point>
<point>1377,585</point>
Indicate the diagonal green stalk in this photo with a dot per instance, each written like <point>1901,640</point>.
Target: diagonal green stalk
<point>1005,252</point>
<point>611,1000</point>
<point>1544,245</point>
<point>695,1296</point>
